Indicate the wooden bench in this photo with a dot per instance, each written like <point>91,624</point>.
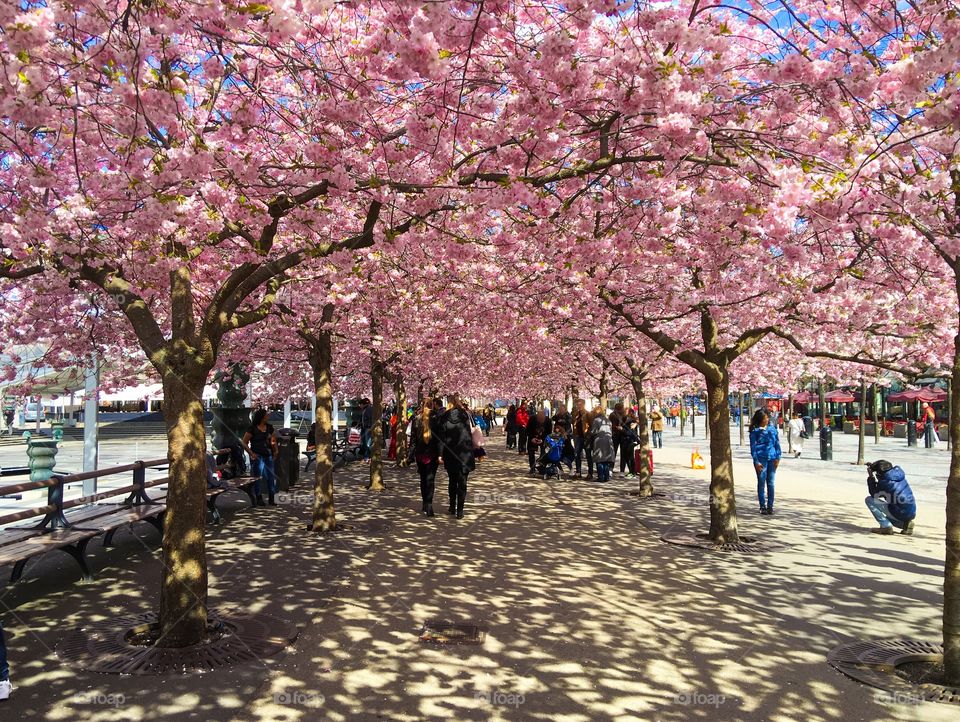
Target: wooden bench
<point>240,483</point>
<point>70,526</point>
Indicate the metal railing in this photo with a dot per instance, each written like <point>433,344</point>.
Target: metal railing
<point>52,511</point>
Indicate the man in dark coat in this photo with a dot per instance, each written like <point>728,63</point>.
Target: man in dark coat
<point>453,427</point>
<point>538,429</point>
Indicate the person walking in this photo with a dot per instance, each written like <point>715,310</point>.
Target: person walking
<point>798,432</point>
<point>616,419</point>
<point>581,431</point>
<point>765,451</point>
<point>426,452</point>
<point>510,427</point>
<point>629,438</point>
<point>261,444</point>
<point>929,417</point>
<point>603,451</point>
<point>656,426</point>
<point>487,420</point>
<point>523,420</point>
<point>366,430</point>
<point>538,428</point>
<point>456,440</point>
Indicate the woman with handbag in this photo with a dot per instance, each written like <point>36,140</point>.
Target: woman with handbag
<point>426,452</point>
<point>798,432</point>
<point>457,443</point>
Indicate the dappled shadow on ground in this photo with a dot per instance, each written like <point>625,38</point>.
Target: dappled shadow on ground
<point>588,615</point>
<point>261,560</point>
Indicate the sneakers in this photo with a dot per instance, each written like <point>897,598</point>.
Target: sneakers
<point>885,530</point>
<point>908,528</point>
<point>763,511</point>
<point>5,689</point>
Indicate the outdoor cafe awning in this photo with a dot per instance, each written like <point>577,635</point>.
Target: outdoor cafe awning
<point>839,396</point>
<point>929,395</point>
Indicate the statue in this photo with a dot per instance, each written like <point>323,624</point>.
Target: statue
<point>231,419</point>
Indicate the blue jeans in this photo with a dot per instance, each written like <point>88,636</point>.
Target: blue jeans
<point>4,667</point>
<point>765,479</point>
<point>579,451</point>
<point>365,448</point>
<point>881,512</point>
<point>603,470</point>
<point>262,468</point>
<point>657,439</point>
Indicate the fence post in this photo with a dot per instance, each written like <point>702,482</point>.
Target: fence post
<point>55,518</point>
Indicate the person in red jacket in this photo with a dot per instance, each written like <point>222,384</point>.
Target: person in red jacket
<point>523,418</point>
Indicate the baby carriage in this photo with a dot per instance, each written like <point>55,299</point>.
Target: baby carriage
<point>550,463</point>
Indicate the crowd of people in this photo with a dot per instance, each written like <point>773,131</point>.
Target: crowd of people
<point>572,438</point>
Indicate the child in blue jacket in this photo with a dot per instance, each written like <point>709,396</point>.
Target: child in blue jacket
<point>765,450</point>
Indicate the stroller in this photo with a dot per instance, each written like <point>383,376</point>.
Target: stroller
<point>550,463</point>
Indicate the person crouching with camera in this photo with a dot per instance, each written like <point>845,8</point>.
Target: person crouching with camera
<point>891,499</point>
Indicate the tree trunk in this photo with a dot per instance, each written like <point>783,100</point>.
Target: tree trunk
<point>376,431</point>
<point>643,431</point>
<point>863,420</point>
<point>876,420</point>
<point>321,354</point>
<point>786,425</point>
<point>723,508</point>
<point>706,428</point>
<point>951,568</point>
<point>401,395</point>
<point>603,392</point>
<point>183,588</point>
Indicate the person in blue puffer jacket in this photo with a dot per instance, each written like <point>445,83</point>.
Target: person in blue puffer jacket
<point>765,450</point>
<point>891,499</point>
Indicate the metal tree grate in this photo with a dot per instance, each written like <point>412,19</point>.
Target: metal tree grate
<point>243,639</point>
<point>441,632</point>
<point>746,545</point>
<point>875,663</point>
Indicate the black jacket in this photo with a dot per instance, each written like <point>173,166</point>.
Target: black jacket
<point>565,420</point>
<point>453,429</point>
<point>538,430</point>
<point>430,448</point>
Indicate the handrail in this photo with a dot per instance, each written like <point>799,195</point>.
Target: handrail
<point>27,513</point>
<point>53,511</point>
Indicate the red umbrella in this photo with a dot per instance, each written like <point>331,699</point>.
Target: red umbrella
<point>903,396</point>
<point>804,397</point>
<point>931,396</point>
<point>840,396</point>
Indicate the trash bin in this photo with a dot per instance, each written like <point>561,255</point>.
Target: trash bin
<point>911,433</point>
<point>826,443</point>
<point>288,460</point>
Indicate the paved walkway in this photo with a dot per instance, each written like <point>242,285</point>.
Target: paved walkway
<point>588,616</point>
